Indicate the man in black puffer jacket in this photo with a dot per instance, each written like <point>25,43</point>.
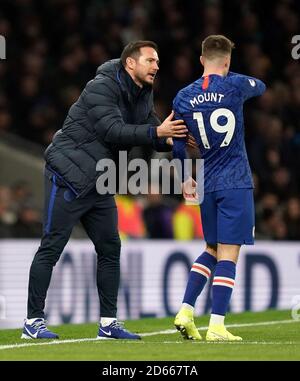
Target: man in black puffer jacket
<point>113,113</point>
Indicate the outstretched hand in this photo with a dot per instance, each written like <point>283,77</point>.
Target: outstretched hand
<point>172,128</point>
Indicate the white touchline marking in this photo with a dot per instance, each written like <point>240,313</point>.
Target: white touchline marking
<point>230,342</point>
<point>53,342</point>
<point>227,326</point>
<point>165,332</point>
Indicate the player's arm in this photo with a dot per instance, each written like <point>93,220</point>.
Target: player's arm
<point>189,185</point>
<point>179,153</point>
<point>179,144</point>
<point>248,86</point>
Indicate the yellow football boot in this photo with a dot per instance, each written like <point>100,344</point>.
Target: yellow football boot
<point>184,323</point>
<point>218,332</point>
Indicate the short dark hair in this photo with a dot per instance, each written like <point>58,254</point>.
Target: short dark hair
<point>216,45</point>
<point>133,49</point>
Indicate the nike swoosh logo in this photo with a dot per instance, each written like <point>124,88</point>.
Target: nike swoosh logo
<point>217,335</point>
<point>34,335</point>
<point>106,333</point>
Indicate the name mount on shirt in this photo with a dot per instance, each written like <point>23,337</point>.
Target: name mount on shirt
<point>206,97</point>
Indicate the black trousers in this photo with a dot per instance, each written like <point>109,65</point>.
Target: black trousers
<point>98,214</point>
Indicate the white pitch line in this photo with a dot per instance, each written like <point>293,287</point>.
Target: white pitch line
<point>54,342</point>
<point>165,332</point>
<point>169,331</point>
<point>231,342</point>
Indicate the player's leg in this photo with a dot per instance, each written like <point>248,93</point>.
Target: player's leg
<point>222,287</point>
<point>60,216</point>
<point>200,272</point>
<point>101,225</point>
<point>235,226</point>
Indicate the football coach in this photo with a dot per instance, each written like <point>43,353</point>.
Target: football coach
<point>114,112</point>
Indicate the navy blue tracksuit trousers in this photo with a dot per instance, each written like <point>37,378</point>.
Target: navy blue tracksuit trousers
<point>98,214</point>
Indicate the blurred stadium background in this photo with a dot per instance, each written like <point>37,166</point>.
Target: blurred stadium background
<point>53,48</point>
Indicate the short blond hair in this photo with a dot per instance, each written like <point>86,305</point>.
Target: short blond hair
<point>216,45</point>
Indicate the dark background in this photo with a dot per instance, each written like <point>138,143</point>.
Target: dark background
<point>55,46</point>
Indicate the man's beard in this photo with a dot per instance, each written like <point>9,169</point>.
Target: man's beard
<point>144,82</point>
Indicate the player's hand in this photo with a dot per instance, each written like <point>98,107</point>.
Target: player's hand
<point>191,142</point>
<point>189,190</point>
<point>169,141</point>
<point>172,128</point>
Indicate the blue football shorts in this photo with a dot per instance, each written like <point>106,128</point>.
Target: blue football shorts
<point>228,217</point>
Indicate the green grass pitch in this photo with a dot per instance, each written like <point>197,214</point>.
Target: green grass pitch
<point>270,335</point>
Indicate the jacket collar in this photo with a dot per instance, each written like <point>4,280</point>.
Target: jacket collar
<point>129,86</point>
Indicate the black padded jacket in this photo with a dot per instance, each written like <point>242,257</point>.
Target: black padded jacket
<point>111,114</point>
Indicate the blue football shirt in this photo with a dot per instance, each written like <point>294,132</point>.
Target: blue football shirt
<point>212,108</point>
